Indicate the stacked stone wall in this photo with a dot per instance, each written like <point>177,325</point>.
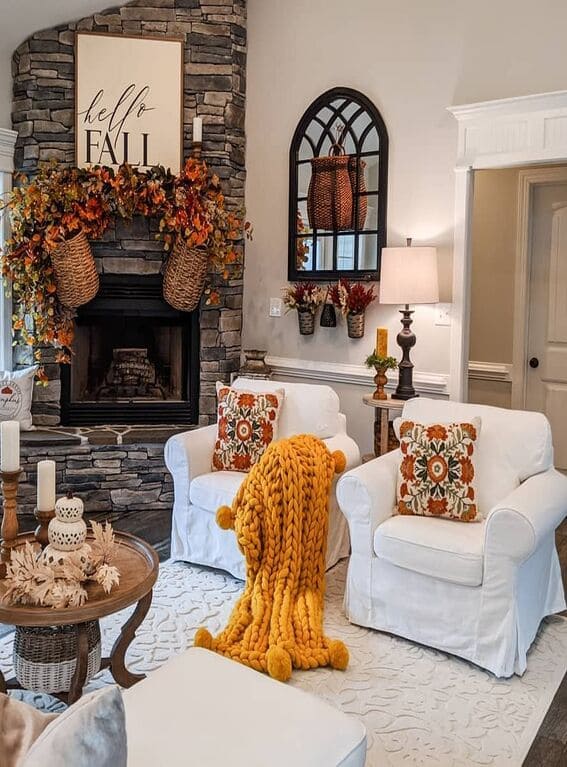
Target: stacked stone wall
<point>214,34</point>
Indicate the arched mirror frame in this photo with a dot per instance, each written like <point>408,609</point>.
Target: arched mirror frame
<point>325,100</point>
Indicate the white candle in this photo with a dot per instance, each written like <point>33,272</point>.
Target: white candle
<point>197,130</point>
<point>10,445</point>
<point>46,485</point>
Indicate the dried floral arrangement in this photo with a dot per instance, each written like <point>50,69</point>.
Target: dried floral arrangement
<point>351,298</point>
<point>59,202</point>
<point>31,580</point>
<point>303,296</point>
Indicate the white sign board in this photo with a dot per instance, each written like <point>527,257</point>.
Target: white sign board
<point>129,101</point>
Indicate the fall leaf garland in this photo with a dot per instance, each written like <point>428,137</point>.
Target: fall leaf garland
<point>61,201</point>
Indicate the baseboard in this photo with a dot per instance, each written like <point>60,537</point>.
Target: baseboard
<point>341,372</point>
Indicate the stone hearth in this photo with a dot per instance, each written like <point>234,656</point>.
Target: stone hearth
<point>119,469</point>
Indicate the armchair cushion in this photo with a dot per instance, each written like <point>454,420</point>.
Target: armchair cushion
<point>215,489</point>
<point>440,548</point>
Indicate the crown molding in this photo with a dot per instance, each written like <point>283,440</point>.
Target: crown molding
<point>509,106</point>
<point>359,375</point>
<point>7,145</point>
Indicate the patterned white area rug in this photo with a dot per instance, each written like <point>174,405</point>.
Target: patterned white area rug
<point>419,706</point>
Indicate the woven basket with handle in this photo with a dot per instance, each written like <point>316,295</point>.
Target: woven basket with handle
<point>329,197</point>
<point>75,271</point>
<point>184,276</point>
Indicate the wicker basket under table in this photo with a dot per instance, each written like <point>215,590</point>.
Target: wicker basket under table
<point>138,565</point>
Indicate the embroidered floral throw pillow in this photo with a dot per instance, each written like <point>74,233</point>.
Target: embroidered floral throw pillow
<point>437,472</point>
<point>247,423</point>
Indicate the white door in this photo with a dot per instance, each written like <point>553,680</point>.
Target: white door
<point>546,373</point>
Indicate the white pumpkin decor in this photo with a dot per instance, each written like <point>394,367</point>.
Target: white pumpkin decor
<point>67,531</point>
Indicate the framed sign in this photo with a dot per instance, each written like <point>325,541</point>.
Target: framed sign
<point>128,101</point>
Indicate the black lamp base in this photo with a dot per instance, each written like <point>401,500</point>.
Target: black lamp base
<point>406,340</point>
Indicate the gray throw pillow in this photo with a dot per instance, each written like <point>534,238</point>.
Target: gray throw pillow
<point>91,733</point>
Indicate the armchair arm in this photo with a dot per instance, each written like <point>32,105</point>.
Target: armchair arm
<point>189,454</point>
<point>516,527</point>
<point>367,497</point>
<point>342,441</point>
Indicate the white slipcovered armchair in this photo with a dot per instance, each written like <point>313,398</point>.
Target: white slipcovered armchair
<point>198,491</point>
<point>478,590</point>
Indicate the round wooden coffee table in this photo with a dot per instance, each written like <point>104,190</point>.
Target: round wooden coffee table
<point>138,564</point>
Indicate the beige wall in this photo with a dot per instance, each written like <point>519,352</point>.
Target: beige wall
<point>493,246</point>
<point>413,59</point>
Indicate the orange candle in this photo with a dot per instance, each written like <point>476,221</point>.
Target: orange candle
<point>381,342</point>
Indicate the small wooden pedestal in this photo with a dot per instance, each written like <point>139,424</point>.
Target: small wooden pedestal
<point>385,410</point>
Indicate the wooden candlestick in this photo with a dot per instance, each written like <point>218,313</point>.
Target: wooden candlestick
<point>196,149</point>
<point>380,380</point>
<point>44,518</point>
<point>9,528</point>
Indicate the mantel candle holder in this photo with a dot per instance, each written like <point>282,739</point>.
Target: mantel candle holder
<point>40,532</point>
<point>197,149</point>
<point>9,528</point>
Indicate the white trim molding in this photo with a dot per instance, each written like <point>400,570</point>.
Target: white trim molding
<point>7,145</point>
<point>436,384</point>
<point>490,371</point>
<point>522,130</point>
<point>494,134</point>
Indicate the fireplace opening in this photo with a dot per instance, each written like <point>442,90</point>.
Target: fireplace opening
<point>136,359</point>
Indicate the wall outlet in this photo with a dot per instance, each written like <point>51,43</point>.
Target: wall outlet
<point>275,307</point>
<point>443,314</point>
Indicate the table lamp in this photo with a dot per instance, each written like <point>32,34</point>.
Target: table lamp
<point>408,276</point>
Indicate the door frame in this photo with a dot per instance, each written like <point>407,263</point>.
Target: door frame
<point>527,181</point>
<point>506,133</point>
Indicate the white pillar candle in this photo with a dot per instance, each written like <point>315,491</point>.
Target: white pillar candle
<point>10,445</point>
<point>197,130</point>
<point>46,485</point>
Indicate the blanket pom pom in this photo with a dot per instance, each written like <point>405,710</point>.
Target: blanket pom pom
<point>338,654</point>
<point>225,518</point>
<point>340,461</point>
<point>279,663</point>
<point>203,638</point>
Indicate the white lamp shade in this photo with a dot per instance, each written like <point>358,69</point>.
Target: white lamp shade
<point>409,276</point>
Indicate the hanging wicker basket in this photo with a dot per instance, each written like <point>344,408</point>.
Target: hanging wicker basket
<point>75,271</point>
<point>329,197</point>
<point>355,325</point>
<point>45,658</point>
<point>306,320</point>
<point>359,189</point>
<point>184,276</point>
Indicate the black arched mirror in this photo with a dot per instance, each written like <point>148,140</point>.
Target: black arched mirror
<point>338,178</point>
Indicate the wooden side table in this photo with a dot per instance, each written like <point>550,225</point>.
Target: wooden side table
<point>138,564</point>
<point>385,410</point>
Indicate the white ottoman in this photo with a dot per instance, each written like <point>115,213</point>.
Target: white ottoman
<point>204,710</point>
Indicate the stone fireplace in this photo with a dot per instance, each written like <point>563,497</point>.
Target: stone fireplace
<point>141,371</point>
<point>176,385</point>
<point>136,359</point>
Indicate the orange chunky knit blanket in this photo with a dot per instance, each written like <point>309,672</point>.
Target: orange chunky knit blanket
<point>280,516</point>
